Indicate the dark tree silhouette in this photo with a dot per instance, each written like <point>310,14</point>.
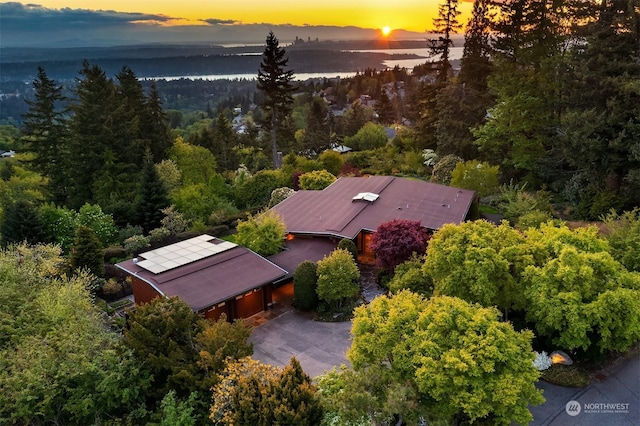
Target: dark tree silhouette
<point>275,83</point>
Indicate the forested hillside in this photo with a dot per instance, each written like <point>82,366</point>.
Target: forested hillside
<point>541,118</point>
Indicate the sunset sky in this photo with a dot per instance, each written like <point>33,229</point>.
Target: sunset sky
<point>412,15</point>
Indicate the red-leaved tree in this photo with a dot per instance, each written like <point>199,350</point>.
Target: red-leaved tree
<point>395,241</point>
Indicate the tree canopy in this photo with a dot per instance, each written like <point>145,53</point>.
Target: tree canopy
<point>452,357</point>
<point>395,241</point>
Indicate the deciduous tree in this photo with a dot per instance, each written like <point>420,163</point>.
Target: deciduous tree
<point>478,176</point>
<point>317,179</point>
<point>263,233</point>
<point>396,241</point>
<point>456,358</point>
<point>59,362</point>
<point>479,262</point>
<point>577,295</point>
<point>338,277</point>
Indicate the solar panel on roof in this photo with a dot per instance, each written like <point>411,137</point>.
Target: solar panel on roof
<point>175,255</point>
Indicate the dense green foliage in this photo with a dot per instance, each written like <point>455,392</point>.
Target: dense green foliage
<point>338,277</point>
<point>87,252</point>
<point>263,233</point>
<point>441,358</point>
<point>318,179</point>
<point>183,352</point>
<point>59,361</point>
<point>305,283</point>
<point>252,393</point>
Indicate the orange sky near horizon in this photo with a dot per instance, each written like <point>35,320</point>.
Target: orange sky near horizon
<point>412,15</point>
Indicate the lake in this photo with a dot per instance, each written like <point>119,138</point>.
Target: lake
<point>423,53</point>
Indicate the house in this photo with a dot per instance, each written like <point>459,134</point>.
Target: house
<point>217,277</point>
<point>354,207</point>
<point>212,276</point>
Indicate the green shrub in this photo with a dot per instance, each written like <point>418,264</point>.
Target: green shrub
<point>566,375</point>
<point>305,282</point>
<point>116,253</point>
<point>348,245</point>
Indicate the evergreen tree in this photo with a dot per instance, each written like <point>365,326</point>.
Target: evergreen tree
<point>153,198</point>
<point>445,24</point>
<point>44,130</point>
<point>475,65</point>
<point>317,134</point>
<point>86,252</point>
<point>21,222</point>
<point>292,398</point>
<point>223,140</point>
<point>601,128</point>
<point>305,282</point>
<point>92,132</point>
<point>385,109</point>
<point>154,125</point>
<point>275,83</point>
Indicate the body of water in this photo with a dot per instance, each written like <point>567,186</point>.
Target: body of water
<point>423,53</point>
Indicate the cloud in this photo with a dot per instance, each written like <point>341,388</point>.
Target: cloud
<point>18,17</point>
<point>32,25</point>
<point>214,21</point>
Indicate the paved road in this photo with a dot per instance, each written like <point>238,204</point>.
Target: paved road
<point>618,386</point>
<point>320,346</point>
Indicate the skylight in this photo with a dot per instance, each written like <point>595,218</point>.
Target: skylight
<point>366,196</point>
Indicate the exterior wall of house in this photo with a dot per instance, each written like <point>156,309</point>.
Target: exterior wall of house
<point>142,291</point>
<point>249,303</point>
<point>365,254</point>
<point>215,312</point>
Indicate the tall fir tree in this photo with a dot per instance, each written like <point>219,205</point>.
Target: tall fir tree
<point>223,141</point>
<point>155,125</point>
<point>445,24</point>
<point>86,252</point>
<point>45,132</point>
<point>21,221</point>
<point>275,82</point>
<point>317,133</point>
<point>92,132</point>
<point>153,197</point>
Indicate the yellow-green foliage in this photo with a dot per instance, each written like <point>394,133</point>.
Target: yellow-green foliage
<point>450,356</point>
<point>263,233</point>
<point>477,176</point>
<point>318,179</point>
<point>338,277</point>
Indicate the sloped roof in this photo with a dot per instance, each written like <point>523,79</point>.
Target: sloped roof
<point>210,280</point>
<point>333,211</point>
<point>300,249</point>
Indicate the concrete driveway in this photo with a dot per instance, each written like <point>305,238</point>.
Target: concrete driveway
<point>319,346</point>
<point>612,398</point>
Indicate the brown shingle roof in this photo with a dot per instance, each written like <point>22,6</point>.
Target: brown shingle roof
<point>214,279</point>
<point>333,211</point>
<point>300,249</point>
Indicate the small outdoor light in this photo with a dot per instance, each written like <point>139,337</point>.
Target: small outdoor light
<point>559,357</point>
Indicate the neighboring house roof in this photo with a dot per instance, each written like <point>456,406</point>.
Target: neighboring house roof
<point>220,271</point>
<point>334,211</point>
<point>300,249</point>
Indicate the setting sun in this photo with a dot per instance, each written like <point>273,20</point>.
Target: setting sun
<point>386,31</point>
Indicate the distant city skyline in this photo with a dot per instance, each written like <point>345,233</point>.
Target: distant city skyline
<point>101,22</point>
